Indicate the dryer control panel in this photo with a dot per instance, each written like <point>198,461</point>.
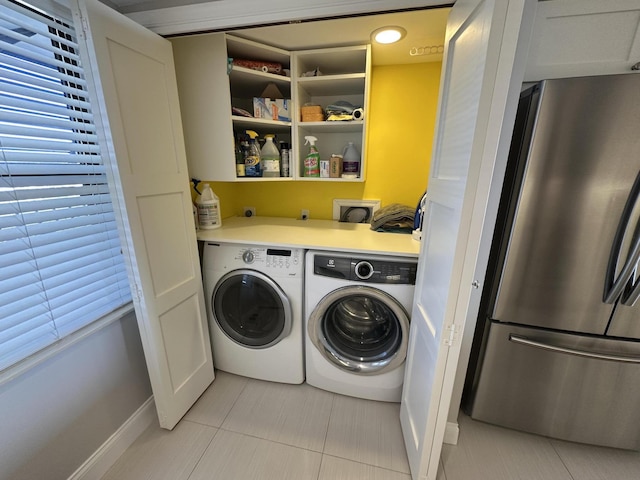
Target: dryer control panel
<point>368,270</point>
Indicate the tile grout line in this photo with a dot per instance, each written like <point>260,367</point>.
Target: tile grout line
<point>367,464</point>
<point>441,463</point>
<point>203,451</point>
<point>320,469</point>
<point>560,457</point>
<point>211,426</point>
<point>326,431</point>
<point>268,440</point>
<point>326,434</point>
<point>236,400</point>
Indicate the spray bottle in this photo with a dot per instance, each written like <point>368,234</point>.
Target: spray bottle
<point>312,160</point>
<point>252,157</point>
<point>270,158</point>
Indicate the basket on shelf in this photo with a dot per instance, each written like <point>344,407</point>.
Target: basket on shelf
<point>312,113</point>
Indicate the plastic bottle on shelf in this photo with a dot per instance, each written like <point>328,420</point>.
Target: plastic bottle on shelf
<point>284,159</point>
<point>270,158</point>
<point>208,209</point>
<point>312,160</point>
<point>239,158</point>
<point>350,161</point>
<point>252,164</point>
<point>195,216</point>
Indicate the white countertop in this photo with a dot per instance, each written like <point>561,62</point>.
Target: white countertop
<point>311,234</point>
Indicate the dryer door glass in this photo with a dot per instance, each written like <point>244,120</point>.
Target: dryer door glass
<point>251,309</point>
<point>360,329</point>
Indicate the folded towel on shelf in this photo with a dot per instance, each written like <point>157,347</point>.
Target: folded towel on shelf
<point>394,217</point>
<point>341,107</point>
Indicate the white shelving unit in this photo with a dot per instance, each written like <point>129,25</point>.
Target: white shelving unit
<point>209,86</point>
<point>245,84</point>
<point>345,73</point>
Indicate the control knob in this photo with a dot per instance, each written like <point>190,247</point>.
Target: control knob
<point>364,270</point>
<point>248,256</point>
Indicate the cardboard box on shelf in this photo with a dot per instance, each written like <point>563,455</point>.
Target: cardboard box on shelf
<point>312,113</point>
<point>272,109</point>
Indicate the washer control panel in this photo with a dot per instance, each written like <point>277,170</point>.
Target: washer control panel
<point>248,256</point>
<point>274,261</point>
<point>363,270</point>
<point>369,270</point>
<point>282,258</point>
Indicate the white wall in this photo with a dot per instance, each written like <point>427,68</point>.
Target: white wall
<point>60,412</point>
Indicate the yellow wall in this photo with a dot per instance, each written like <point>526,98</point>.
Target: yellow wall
<point>401,120</point>
<point>403,111</point>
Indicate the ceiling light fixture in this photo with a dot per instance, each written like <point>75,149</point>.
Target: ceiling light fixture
<point>388,35</point>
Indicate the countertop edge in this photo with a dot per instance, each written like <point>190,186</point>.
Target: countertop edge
<point>329,235</point>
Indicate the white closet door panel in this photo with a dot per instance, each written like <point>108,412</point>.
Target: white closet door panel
<point>132,76</point>
<point>477,90</point>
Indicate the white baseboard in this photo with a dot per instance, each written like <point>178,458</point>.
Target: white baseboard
<point>102,459</point>
<point>451,433</point>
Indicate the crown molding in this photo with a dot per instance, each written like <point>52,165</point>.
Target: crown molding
<point>225,14</point>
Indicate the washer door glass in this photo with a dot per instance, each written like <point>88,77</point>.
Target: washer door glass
<point>360,329</point>
<point>251,309</point>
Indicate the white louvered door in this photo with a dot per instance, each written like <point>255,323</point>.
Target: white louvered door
<point>476,88</point>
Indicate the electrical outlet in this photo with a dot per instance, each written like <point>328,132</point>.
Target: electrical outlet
<point>304,214</point>
<point>249,211</point>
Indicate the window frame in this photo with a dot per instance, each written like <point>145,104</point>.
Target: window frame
<point>125,306</point>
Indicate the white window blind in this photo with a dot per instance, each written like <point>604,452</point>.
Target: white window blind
<point>61,266</point>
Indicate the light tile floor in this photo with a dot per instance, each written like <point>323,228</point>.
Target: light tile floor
<point>253,430</point>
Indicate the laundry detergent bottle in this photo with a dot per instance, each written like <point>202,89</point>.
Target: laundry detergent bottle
<point>350,161</point>
<point>270,158</point>
<point>312,160</point>
<point>252,163</point>
<point>208,209</point>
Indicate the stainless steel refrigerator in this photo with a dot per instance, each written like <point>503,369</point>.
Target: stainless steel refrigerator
<point>557,346</point>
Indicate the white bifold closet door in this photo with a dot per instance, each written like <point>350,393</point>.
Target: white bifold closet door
<point>478,99</point>
<point>135,98</point>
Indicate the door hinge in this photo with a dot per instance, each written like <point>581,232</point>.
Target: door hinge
<point>451,334</point>
<point>137,292</point>
<point>84,24</point>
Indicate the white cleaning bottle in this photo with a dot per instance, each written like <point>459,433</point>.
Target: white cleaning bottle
<point>208,209</point>
<point>350,161</point>
<point>270,157</point>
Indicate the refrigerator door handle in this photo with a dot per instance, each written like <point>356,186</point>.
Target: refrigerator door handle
<point>631,295</point>
<point>571,351</point>
<point>613,286</point>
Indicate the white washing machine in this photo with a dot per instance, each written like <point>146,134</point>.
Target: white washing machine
<point>254,307</point>
<point>357,322</point>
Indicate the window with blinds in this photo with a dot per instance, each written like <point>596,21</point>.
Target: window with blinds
<point>61,265</point>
